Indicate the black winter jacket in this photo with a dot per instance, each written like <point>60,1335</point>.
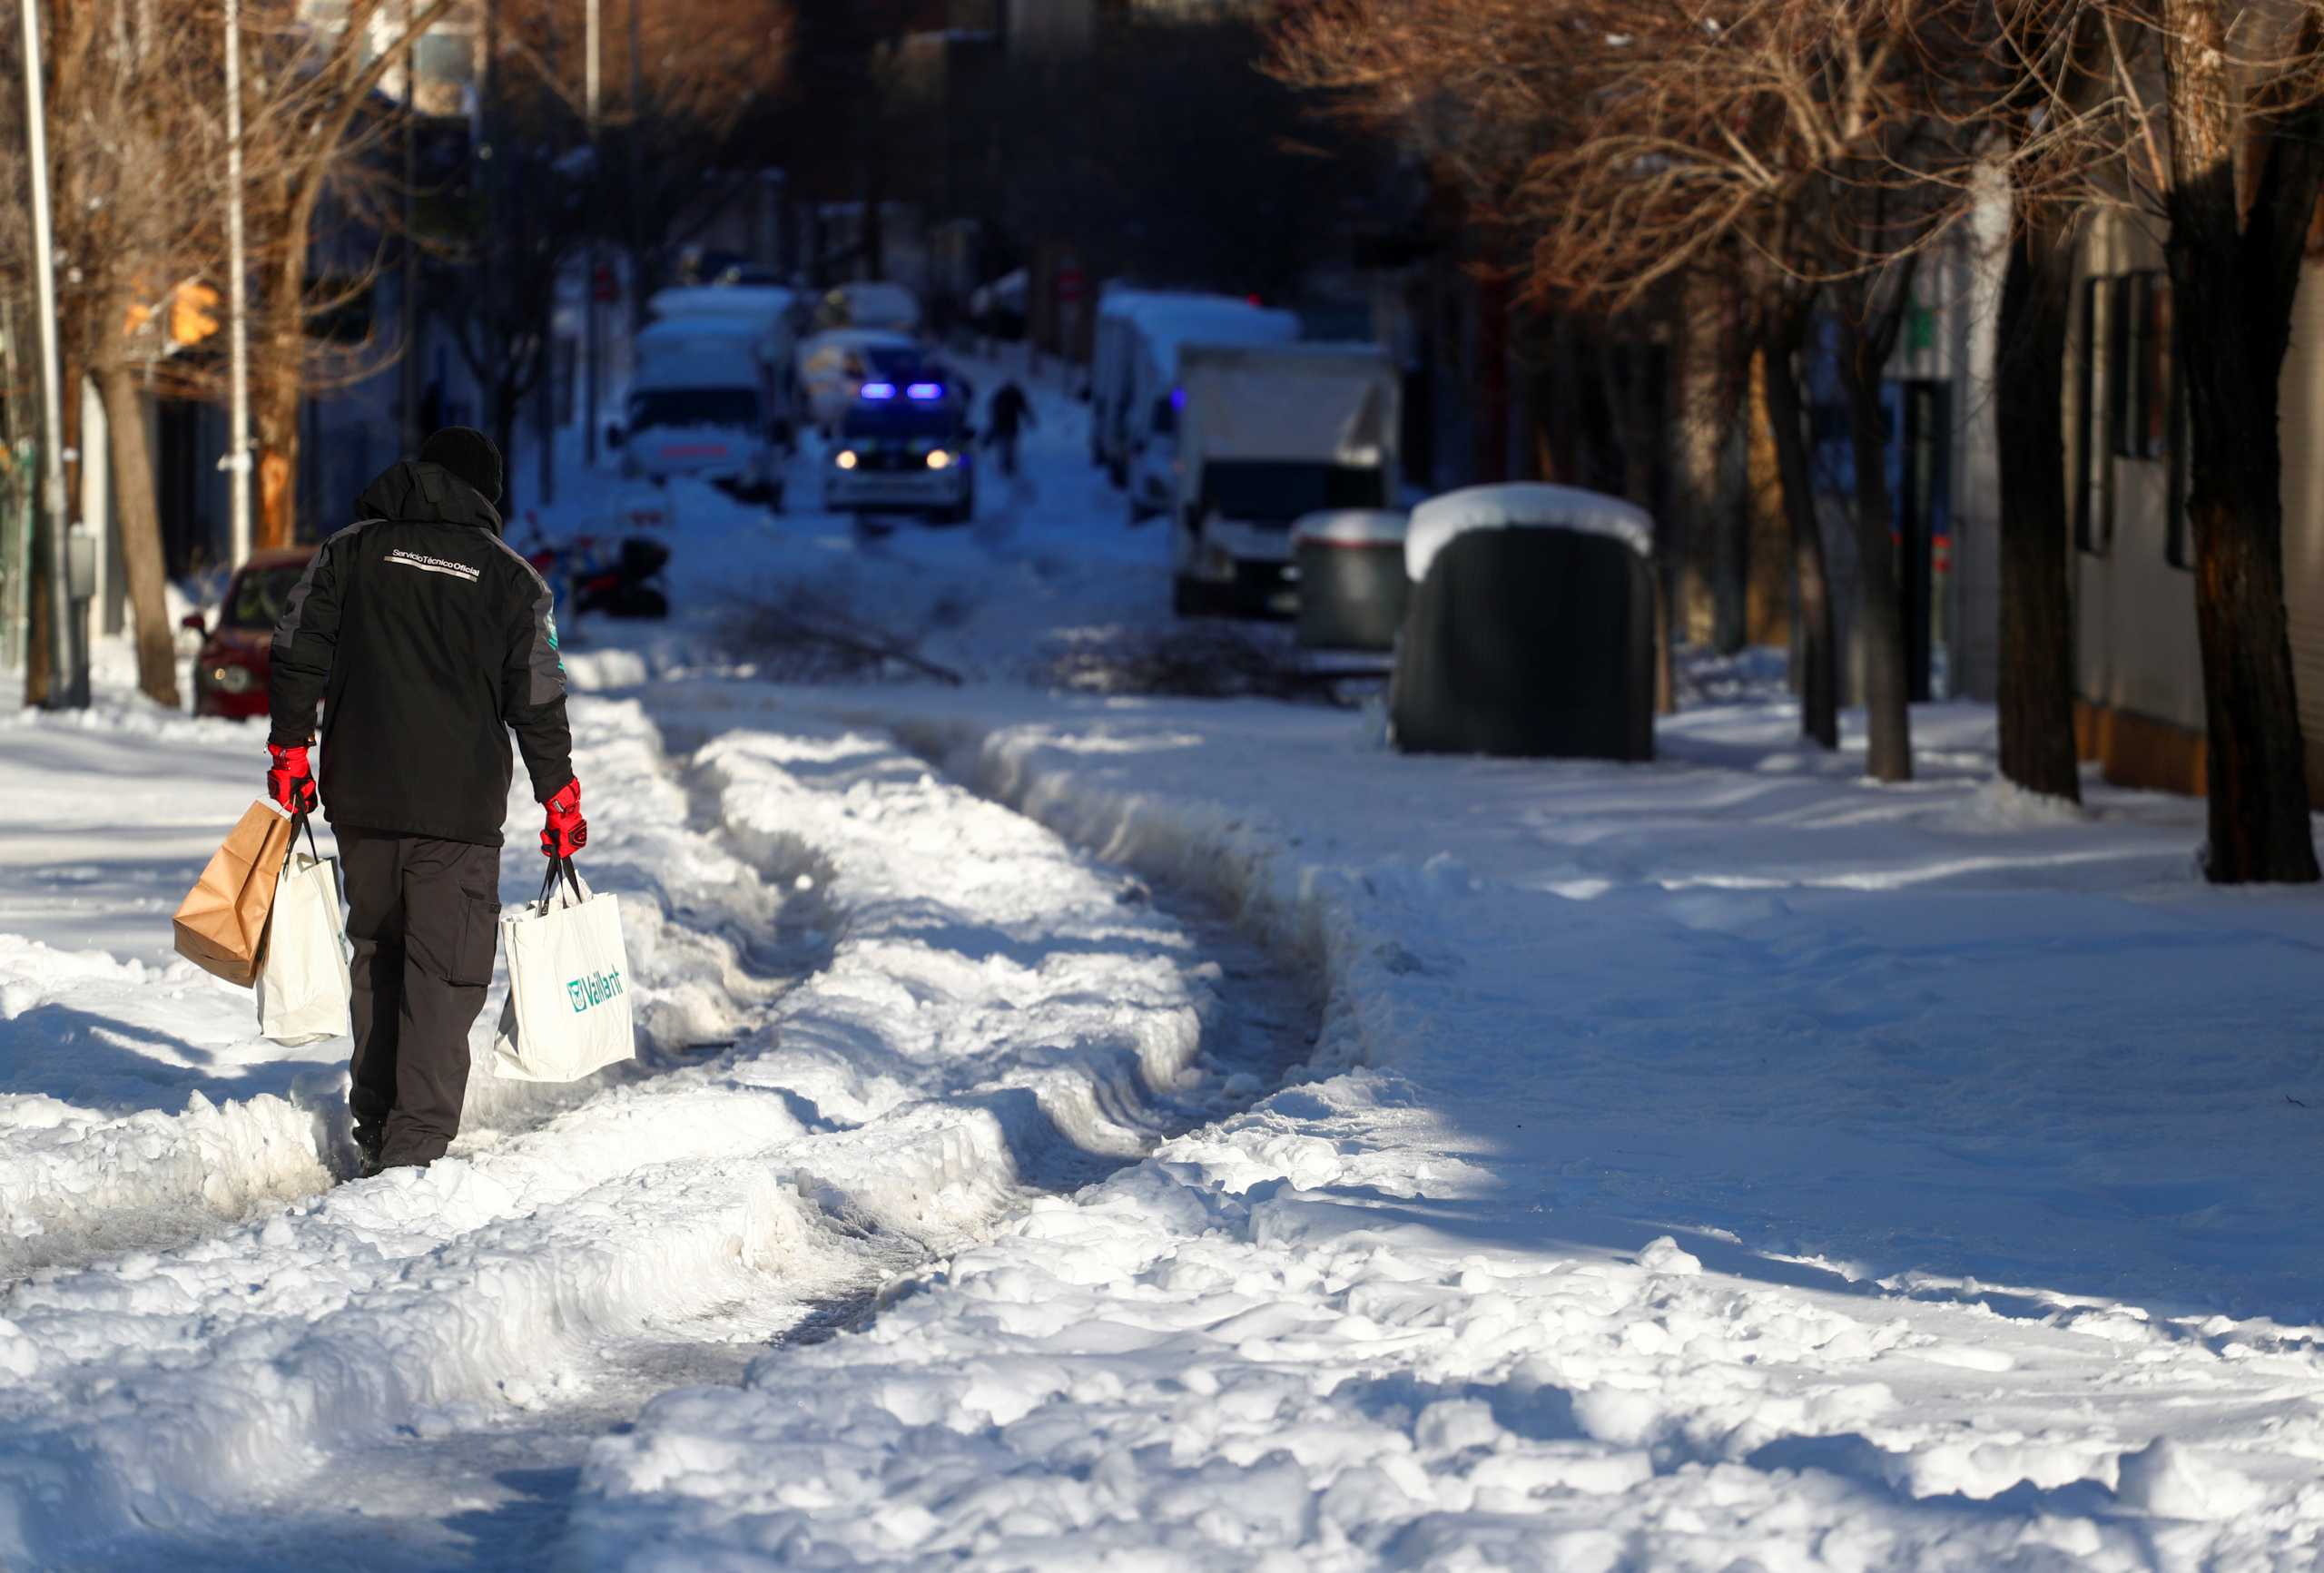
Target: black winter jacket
<point>428,639</point>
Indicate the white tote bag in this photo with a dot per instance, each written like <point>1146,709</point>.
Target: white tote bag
<point>302,981</point>
<point>567,1014</point>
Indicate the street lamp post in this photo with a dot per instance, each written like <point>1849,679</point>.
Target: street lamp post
<point>68,684</point>
<point>594,347</point>
<point>238,456</point>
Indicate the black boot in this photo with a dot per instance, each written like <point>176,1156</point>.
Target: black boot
<point>367,1144</point>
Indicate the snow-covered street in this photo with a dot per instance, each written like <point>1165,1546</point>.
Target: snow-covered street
<point>1084,1127</point>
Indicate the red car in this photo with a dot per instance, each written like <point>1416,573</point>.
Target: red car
<point>229,674</point>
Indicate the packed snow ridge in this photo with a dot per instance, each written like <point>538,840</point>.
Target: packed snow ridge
<point>997,1016</point>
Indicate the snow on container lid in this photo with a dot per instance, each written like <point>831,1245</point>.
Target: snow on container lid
<point>1521,505</point>
<point>1351,527</point>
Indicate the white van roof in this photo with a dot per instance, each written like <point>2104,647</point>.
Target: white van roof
<point>740,300</point>
<point>741,330</point>
<point>1168,332</point>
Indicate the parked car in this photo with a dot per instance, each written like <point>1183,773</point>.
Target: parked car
<point>230,674</point>
<point>904,449</point>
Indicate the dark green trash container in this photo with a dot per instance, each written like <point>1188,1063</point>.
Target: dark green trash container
<point>1532,626</point>
<point>1353,588</point>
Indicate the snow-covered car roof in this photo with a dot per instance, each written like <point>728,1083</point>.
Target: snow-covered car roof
<point>1521,505</point>
<point>1352,527</point>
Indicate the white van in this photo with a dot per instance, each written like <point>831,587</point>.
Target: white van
<point>1157,395</point>
<point>768,315</point>
<point>703,402</point>
<point>1267,434</point>
<point>1128,374</point>
<point>1113,343</point>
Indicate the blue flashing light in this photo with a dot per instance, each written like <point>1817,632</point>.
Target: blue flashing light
<point>1177,398</point>
<point>877,391</point>
<point>924,391</point>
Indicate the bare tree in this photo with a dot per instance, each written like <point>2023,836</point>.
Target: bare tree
<point>2046,88</point>
<point>311,121</point>
<point>1808,146</point>
<point>136,233</point>
<point>2234,156</point>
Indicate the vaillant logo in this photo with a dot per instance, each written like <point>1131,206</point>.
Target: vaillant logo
<point>594,989</point>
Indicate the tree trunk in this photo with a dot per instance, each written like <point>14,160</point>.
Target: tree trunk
<point>2036,700</point>
<point>1706,562</point>
<point>274,417</point>
<point>140,522</point>
<point>2235,274</point>
<point>2257,762</point>
<point>1880,615</point>
<point>40,653</point>
<point>1491,438</point>
<point>1820,710</point>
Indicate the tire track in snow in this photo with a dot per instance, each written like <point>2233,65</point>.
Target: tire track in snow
<point>1000,1018</point>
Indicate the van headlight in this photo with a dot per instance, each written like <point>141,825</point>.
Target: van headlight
<point>844,458</point>
<point>938,458</point>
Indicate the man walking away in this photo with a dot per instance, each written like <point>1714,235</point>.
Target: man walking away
<point>427,639</point>
<point>1010,410</point>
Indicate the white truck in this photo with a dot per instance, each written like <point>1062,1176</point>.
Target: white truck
<point>1134,362</point>
<point>703,402</point>
<point>769,315</point>
<point>1267,434</point>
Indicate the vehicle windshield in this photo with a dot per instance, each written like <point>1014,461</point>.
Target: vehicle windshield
<point>666,407</point>
<point>1283,489</point>
<point>256,597</point>
<point>901,421</point>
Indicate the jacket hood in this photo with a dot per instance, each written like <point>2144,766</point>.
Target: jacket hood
<point>415,490</point>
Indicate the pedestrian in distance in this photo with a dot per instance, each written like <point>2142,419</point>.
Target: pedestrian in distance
<point>427,639</point>
<point>1008,412</point>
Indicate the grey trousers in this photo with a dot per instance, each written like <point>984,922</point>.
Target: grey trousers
<point>424,917</point>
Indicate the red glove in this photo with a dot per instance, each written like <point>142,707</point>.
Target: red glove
<point>567,832</point>
<point>289,783</point>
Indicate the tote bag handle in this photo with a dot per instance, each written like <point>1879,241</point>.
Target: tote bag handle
<point>560,866</point>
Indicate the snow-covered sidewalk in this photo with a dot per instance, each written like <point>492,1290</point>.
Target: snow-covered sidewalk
<point>1726,1159</point>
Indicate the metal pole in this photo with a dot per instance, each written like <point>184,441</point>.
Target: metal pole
<point>589,284</point>
<point>15,507</point>
<point>631,175</point>
<point>409,381</point>
<point>238,455</point>
<point>67,688</point>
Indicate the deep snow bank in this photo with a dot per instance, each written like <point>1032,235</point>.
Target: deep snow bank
<point>996,1012</point>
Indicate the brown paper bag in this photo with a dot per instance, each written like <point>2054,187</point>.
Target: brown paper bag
<point>222,922</point>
